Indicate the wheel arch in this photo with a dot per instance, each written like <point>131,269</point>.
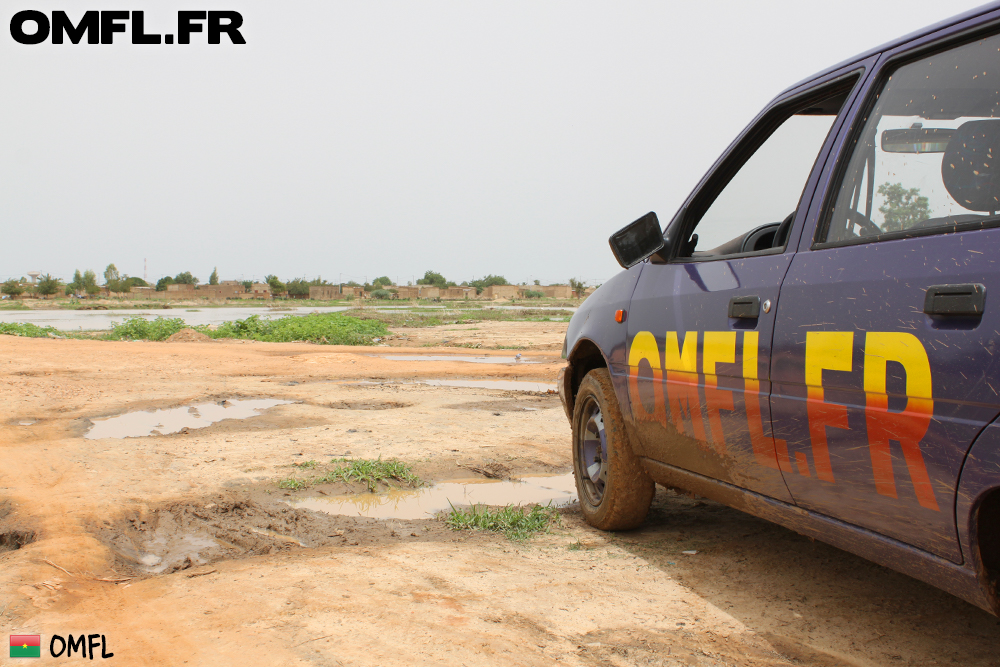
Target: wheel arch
<point>585,357</point>
<point>977,513</point>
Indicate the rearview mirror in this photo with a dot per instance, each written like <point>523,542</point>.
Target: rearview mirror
<point>635,242</point>
<point>917,140</point>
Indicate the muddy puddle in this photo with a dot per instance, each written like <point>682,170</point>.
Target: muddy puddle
<point>508,385</point>
<point>504,385</point>
<point>457,357</point>
<point>188,534</point>
<point>426,502</point>
<point>173,420</point>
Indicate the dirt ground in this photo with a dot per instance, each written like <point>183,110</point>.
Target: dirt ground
<point>181,549</point>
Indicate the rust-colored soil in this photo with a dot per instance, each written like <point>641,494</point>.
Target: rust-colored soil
<point>80,521</point>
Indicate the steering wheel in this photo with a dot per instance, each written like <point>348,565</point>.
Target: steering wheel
<point>868,228</point>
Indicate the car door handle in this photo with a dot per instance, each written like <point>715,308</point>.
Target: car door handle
<point>955,300</point>
<point>744,307</point>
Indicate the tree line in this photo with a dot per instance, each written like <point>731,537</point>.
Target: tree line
<point>86,282</point>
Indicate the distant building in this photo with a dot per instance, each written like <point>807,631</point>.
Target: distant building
<point>503,292</point>
<point>324,292</point>
<point>459,293</point>
<point>555,291</point>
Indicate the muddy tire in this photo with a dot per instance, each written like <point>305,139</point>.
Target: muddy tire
<point>615,492</point>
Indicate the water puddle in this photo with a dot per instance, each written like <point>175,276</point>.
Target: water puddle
<point>506,385</point>
<point>426,502</point>
<point>173,420</point>
<point>456,357</point>
<point>509,385</point>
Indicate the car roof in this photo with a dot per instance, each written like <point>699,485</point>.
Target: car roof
<point>959,18</point>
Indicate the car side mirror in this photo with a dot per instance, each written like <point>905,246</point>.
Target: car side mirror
<point>637,241</point>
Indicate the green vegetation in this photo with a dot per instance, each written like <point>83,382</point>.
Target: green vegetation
<point>84,283</point>
<point>293,484</point>
<point>29,330</point>
<point>371,472</point>
<point>513,521</point>
<point>297,287</point>
<point>902,208</point>
<point>529,294</point>
<point>185,278</point>
<point>48,285</point>
<point>12,287</point>
<point>277,287</point>
<point>328,328</point>
<point>214,278</point>
<point>138,328</point>
<point>434,278</point>
<point>488,281</point>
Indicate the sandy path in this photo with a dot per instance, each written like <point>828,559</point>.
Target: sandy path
<point>398,592</point>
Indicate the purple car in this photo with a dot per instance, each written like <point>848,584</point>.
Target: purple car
<point>808,340</point>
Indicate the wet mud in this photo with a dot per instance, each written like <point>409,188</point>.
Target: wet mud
<point>183,535</point>
<point>368,405</point>
<point>14,534</point>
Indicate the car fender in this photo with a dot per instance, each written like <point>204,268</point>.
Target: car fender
<point>594,339</point>
<point>979,478</point>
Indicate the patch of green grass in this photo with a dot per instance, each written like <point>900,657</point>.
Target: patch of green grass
<point>371,472</point>
<point>512,521</point>
<point>15,305</point>
<point>327,328</point>
<point>305,464</point>
<point>293,484</point>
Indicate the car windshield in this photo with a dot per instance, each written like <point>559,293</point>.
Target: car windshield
<point>925,158</point>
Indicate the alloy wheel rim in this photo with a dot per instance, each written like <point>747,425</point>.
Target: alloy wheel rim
<point>592,453</point>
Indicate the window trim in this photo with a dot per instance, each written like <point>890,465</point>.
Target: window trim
<point>883,72</point>
<point>749,142</point>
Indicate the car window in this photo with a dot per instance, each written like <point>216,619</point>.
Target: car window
<point>924,160</point>
<point>764,191</point>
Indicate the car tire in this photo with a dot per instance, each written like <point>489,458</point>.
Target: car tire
<point>615,491</point>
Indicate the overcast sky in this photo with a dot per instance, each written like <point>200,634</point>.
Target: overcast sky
<point>366,138</point>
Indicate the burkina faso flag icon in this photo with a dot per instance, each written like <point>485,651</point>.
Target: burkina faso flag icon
<point>26,646</point>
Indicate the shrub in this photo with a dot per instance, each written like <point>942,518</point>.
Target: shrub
<point>381,294</point>
<point>533,295</point>
<point>27,330</point>
<point>328,328</point>
<point>138,328</point>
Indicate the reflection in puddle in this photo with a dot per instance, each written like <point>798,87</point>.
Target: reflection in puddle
<point>510,385</point>
<point>507,385</point>
<point>425,503</point>
<point>457,357</point>
<point>172,420</point>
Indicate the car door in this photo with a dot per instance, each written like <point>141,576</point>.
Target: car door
<point>700,319</point>
<point>886,358</point>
